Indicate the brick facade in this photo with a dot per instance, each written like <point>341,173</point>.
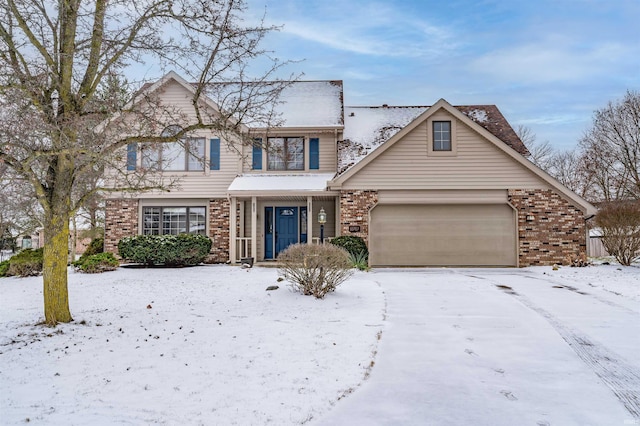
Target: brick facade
<point>219,230</point>
<point>354,211</point>
<point>555,231</point>
<point>121,220</point>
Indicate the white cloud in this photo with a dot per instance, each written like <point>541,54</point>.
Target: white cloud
<point>369,29</point>
<point>551,61</point>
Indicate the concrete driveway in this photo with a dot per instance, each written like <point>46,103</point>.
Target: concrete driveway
<point>499,347</point>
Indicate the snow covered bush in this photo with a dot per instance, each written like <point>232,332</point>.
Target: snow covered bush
<point>620,225</point>
<point>27,263</point>
<point>315,269</point>
<point>168,250</point>
<point>97,263</point>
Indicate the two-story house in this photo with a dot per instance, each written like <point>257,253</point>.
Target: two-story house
<point>436,185</point>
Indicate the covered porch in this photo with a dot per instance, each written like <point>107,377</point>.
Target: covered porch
<point>274,211</point>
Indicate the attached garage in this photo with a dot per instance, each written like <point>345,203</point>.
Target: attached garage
<point>443,234</point>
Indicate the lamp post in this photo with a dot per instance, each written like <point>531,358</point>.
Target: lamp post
<point>322,219</point>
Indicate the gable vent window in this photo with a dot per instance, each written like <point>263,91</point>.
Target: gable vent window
<point>442,136</point>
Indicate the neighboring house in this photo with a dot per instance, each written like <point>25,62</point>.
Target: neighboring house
<point>34,240</point>
<point>424,186</point>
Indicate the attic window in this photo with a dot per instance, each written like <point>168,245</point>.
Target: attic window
<point>442,135</point>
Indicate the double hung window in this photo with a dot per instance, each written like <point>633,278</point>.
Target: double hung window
<point>183,155</point>
<point>286,153</point>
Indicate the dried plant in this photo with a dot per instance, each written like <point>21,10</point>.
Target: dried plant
<point>620,224</point>
<point>315,270</point>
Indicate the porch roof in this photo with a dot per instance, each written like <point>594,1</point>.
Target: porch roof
<point>271,184</point>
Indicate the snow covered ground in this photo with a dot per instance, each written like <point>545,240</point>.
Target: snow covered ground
<point>208,345</point>
<point>203,345</point>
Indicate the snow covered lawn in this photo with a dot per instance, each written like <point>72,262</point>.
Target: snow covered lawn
<point>209,345</point>
<point>204,345</point>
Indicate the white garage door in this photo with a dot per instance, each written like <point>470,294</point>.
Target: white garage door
<point>443,235</point>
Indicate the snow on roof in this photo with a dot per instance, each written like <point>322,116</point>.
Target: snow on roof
<point>478,115</point>
<point>311,104</point>
<point>366,128</point>
<point>295,183</point>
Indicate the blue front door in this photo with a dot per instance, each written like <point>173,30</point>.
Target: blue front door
<point>286,227</point>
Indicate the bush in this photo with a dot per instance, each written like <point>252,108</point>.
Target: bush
<point>313,269</point>
<point>27,263</point>
<point>4,268</point>
<point>360,260</point>
<point>353,245</point>
<point>168,250</point>
<point>95,246</point>
<point>97,263</point>
<point>620,224</point>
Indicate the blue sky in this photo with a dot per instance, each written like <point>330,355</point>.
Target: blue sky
<point>547,64</point>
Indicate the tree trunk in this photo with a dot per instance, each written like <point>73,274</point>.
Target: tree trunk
<point>54,270</point>
<point>56,248</point>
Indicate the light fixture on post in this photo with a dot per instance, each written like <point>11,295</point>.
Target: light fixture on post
<point>322,219</point>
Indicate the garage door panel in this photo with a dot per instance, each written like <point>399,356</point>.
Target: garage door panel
<point>435,235</point>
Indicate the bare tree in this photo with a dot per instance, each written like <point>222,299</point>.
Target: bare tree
<point>56,59</point>
<point>540,153</point>
<point>620,225</point>
<point>20,213</point>
<point>567,167</point>
<point>612,149</point>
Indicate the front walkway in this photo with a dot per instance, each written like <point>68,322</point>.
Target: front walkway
<point>495,347</point>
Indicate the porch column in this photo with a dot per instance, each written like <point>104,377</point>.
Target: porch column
<point>254,228</point>
<point>309,220</point>
<point>233,210</point>
<point>338,215</point>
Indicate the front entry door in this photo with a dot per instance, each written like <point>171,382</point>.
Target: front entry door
<point>286,227</point>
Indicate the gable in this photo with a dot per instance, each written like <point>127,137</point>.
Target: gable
<point>475,162</point>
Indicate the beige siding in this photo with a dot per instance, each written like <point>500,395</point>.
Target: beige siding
<point>207,183</point>
<point>478,164</point>
<point>210,183</point>
<point>328,153</point>
<point>443,196</point>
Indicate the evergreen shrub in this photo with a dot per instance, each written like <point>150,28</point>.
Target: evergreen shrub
<point>352,244</point>
<point>27,263</point>
<point>97,263</point>
<point>167,250</point>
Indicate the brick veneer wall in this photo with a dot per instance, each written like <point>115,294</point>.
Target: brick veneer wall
<point>354,210</point>
<point>219,230</point>
<point>556,235</point>
<point>121,220</point>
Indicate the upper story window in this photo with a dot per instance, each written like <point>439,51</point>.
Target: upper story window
<point>185,154</point>
<point>442,135</point>
<point>285,153</point>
